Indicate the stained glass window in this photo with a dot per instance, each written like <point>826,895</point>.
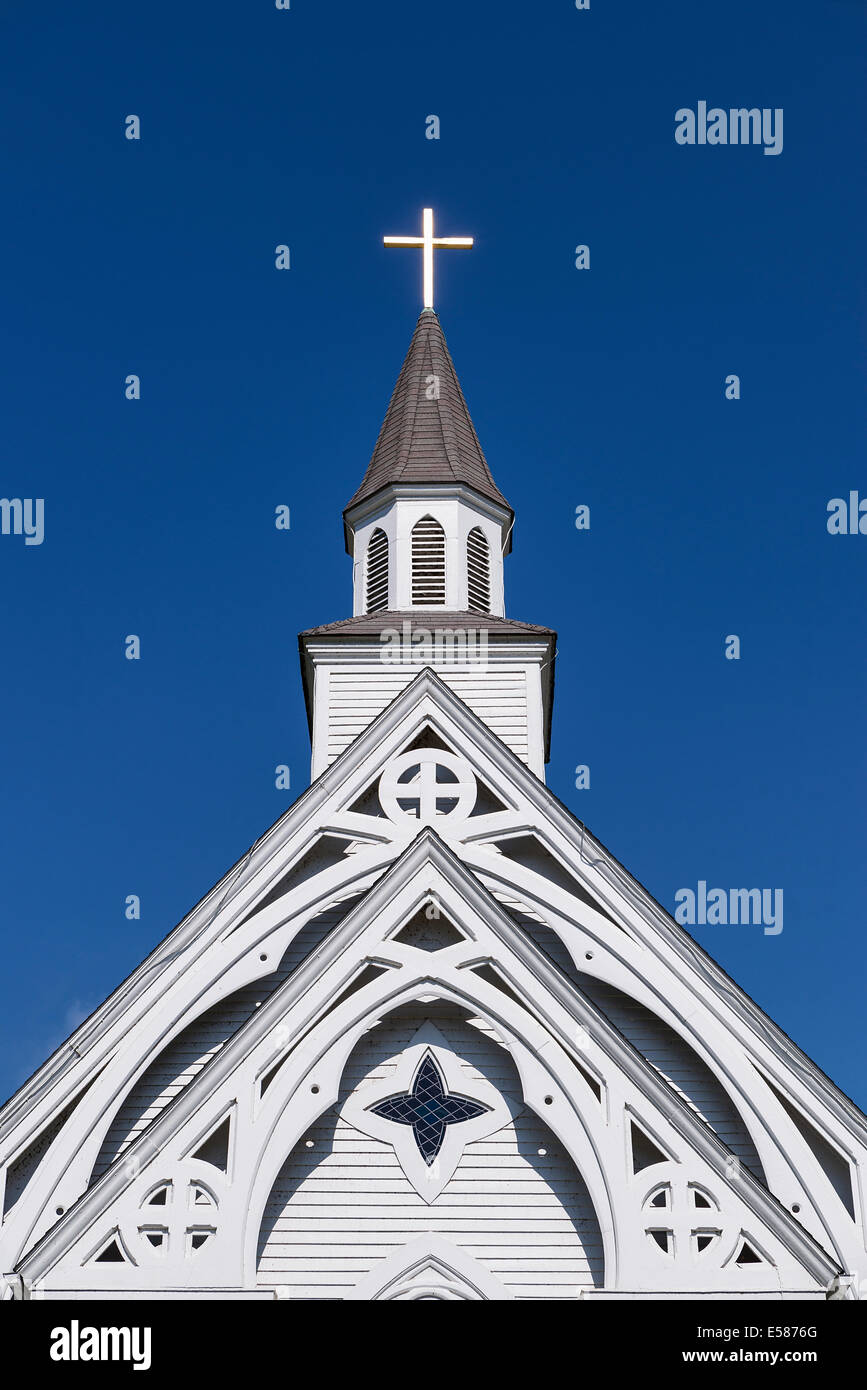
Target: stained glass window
<point>429,1109</point>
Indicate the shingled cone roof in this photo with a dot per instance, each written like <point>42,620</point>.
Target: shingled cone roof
<point>428,441</point>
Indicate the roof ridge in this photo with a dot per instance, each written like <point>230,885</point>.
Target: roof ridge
<point>408,426</point>
<point>447,432</point>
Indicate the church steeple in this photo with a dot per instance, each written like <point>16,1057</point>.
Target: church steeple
<point>428,530</point>
<point>428,527</point>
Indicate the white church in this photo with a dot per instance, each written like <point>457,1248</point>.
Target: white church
<point>428,1039</point>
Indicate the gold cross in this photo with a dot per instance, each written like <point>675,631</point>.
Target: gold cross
<point>427,242</point>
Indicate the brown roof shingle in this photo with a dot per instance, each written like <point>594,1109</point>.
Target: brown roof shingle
<point>428,441</point>
<point>369,624</point>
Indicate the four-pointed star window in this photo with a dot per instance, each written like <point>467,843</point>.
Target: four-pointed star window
<point>429,1109</point>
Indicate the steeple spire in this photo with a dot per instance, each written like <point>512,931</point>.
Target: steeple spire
<point>427,435</point>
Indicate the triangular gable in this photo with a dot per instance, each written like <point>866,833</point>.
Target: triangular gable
<point>547,1024</point>
<point>233,936</point>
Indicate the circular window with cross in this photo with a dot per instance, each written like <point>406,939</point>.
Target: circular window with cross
<point>427,785</point>
<point>683,1218</point>
<point>177,1219</point>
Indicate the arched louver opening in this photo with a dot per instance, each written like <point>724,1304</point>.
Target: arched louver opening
<point>428,562</point>
<point>478,572</point>
<point>377,572</point>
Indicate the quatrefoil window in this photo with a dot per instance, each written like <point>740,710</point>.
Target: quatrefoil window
<point>429,1108</point>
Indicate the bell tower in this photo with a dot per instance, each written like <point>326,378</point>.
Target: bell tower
<point>428,527</point>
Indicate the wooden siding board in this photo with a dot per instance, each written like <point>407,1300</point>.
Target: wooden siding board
<point>355,698</point>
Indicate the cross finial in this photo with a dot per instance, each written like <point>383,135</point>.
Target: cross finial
<point>427,241</point>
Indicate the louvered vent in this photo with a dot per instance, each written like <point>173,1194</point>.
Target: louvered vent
<point>428,562</point>
<point>377,572</point>
<point>478,572</point>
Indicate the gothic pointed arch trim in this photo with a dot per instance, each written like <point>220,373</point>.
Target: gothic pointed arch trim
<point>131,1019</point>
<point>430,1267</point>
<point>540,1042</point>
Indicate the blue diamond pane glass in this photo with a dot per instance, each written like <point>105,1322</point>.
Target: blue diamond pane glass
<point>429,1109</point>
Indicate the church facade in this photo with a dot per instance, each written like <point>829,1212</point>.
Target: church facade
<point>429,1039</point>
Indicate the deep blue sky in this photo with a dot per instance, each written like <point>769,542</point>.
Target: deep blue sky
<point>259,387</point>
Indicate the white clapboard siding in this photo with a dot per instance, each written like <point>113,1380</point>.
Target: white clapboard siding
<point>341,1206</point>
<point>355,698</point>
<point>185,1057</point>
<point>666,1050</point>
